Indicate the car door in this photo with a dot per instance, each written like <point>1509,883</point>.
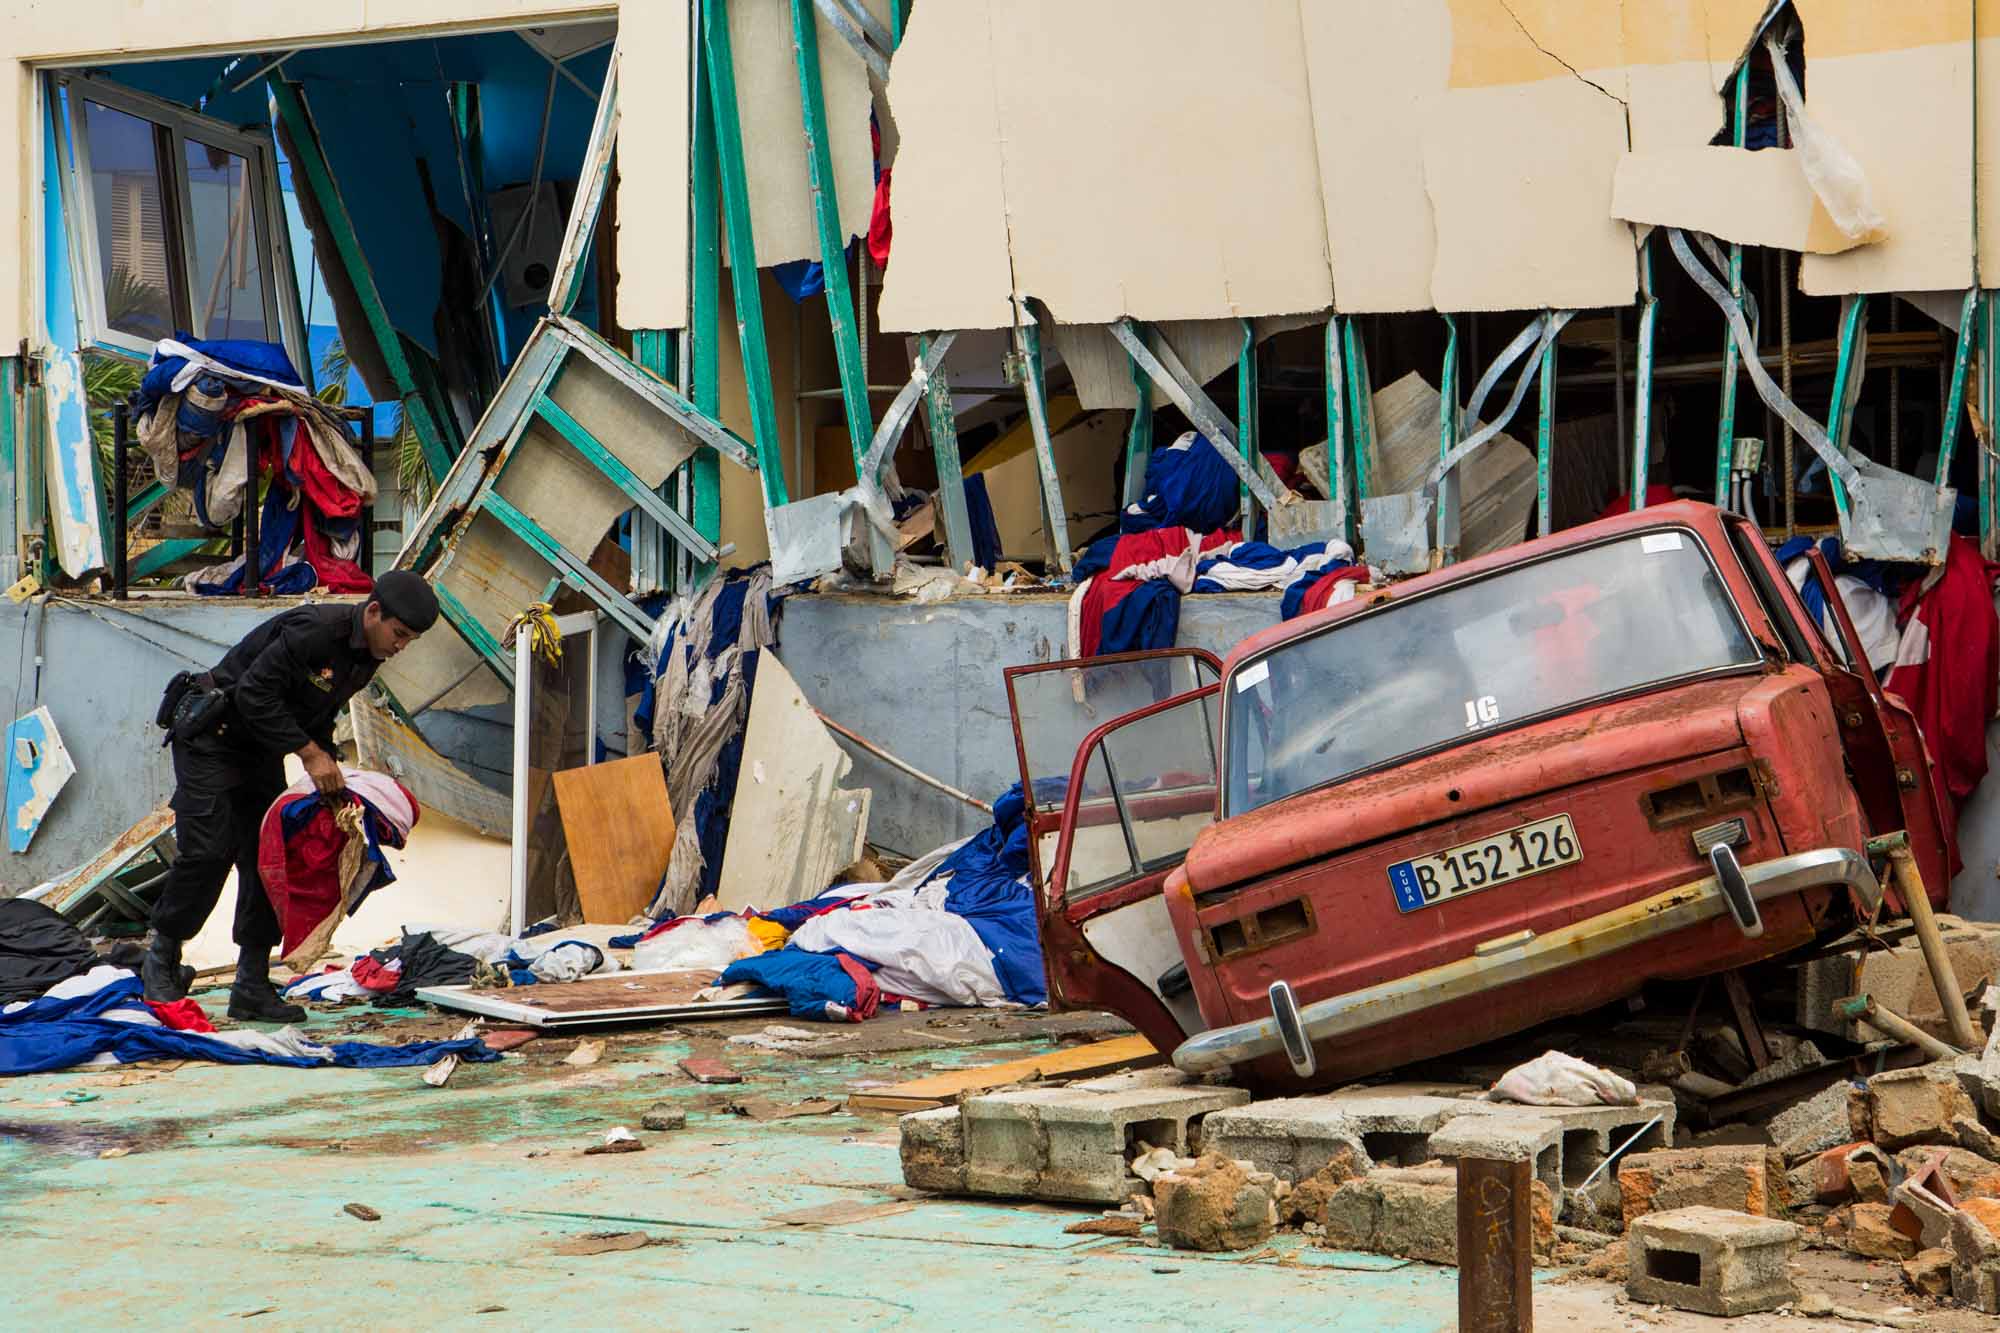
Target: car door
<point>1118,760</point>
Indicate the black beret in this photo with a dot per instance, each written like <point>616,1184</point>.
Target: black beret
<point>408,598</point>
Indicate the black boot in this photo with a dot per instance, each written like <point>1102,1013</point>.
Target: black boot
<point>254,997</point>
<point>161,971</point>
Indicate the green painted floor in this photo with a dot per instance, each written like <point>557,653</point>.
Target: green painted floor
<point>228,1204</point>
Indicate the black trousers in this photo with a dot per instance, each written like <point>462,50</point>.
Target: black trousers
<point>221,792</point>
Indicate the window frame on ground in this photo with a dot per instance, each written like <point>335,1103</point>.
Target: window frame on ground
<point>284,321</point>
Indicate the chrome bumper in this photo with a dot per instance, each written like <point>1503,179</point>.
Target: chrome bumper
<point>1524,956</point>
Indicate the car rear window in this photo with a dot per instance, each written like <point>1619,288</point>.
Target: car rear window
<point>1441,668</point>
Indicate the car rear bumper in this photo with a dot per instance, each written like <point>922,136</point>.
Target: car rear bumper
<point>1517,958</point>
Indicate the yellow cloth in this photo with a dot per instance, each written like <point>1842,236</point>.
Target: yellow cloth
<point>768,933</point>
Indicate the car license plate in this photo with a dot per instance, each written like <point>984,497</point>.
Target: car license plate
<point>1506,856</point>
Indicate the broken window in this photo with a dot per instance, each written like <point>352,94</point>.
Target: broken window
<point>174,221</point>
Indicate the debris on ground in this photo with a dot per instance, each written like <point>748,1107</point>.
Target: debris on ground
<point>705,1069</point>
<point>616,1140</point>
<point>662,1117</point>
<point>1711,1261</point>
<point>362,1211</point>
<point>1215,1203</point>
<point>608,1242</point>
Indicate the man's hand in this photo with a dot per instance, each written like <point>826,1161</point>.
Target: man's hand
<point>324,770</point>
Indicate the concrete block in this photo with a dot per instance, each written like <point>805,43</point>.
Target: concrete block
<point>1412,1212</point>
<point>1711,1261</point>
<point>933,1150</point>
<point>1747,1180</point>
<point>1590,1134</point>
<point>1898,978</point>
<point>1290,1137</point>
<point>1073,1144</point>
<point>1505,1138</point>
<point>1911,1106</point>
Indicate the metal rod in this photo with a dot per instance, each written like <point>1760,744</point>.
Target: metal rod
<point>1028,336</point>
<point>950,467</point>
<point>1917,902</point>
<point>1791,459</point>
<point>1642,378</point>
<point>263,69</point>
<point>121,522</point>
<point>902,767</point>
<point>517,852</point>
<point>1862,1008</point>
<point>1545,444</point>
<point>1167,371</point>
<point>1246,421</point>
<point>1954,404</point>
<point>1496,1243</point>
<point>1448,426</point>
<point>1725,428</point>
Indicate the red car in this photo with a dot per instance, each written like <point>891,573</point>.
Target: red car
<point>1463,805</point>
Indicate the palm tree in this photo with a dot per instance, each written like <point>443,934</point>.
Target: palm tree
<point>413,474</point>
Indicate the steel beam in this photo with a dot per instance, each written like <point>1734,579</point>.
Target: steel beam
<point>1028,338</point>
<point>1642,395</point>
<point>950,468</point>
<point>626,480</point>
<point>575,569</point>
<point>1725,430</point>
<point>1164,368</point>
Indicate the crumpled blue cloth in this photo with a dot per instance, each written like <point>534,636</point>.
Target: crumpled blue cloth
<point>48,1034</point>
<point>1189,484</point>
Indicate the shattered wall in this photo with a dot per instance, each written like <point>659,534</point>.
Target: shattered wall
<point>1179,161</point>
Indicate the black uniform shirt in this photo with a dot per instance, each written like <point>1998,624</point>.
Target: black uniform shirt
<point>291,675</point>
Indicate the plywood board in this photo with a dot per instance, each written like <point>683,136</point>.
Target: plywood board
<point>621,997</point>
<point>922,1094</point>
<point>1751,198</point>
<point>1519,156</point>
<point>652,184</point>
<point>1373,68</point>
<point>620,831</point>
<point>1893,84</point>
<point>949,267</point>
<point>384,744</point>
<point>793,827</point>
<point>1158,158</point>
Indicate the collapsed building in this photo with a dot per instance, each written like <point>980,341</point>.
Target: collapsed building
<point>645,320</point>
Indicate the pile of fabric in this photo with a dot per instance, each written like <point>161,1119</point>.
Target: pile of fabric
<point>64,1007</point>
<point>694,705</point>
<point>320,859</point>
<point>447,956</point>
<point>956,927</point>
<point>205,411</point>
<point>1129,585</point>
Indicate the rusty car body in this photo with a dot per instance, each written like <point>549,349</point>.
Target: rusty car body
<point>1462,805</point>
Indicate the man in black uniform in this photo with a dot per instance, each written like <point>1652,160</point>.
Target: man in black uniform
<point>285,683</point>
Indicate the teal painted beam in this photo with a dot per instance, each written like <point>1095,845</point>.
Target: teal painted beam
<point>10,463</point>
<point>950,468</point>
<point>832,245</point>
<point>1846,378</point>
<point>1246,420</point>
<point>1989,402</point>
<point>143,503</point>
<point>1725,429</point>
<point>161,554</point>
<point>1448,424</point>
<point>1642,397</point>
<point>1955,400</point>
<point>473,632</point>
<point>1545,436</point>
<point>735,181</point>
<point>575,569</point>
<point>1029,335</point>
<point>624,479</point>
<point>704,470</point>
<point>1337,433</point>
<point>1139,437</point>
<point>318,178</point>
<point>1361,409</point>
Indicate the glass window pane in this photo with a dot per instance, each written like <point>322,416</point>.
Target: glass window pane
<point>228,296</point>
<point>1054,710</point>
<point>131,229</point>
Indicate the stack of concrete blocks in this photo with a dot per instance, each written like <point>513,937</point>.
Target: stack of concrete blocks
<point>1406,1125</point>
<point>1070,1144</point>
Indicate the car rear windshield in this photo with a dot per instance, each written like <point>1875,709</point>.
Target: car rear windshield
<point>1441,668</point>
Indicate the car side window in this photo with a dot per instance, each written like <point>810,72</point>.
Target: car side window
<point>1751,552</point>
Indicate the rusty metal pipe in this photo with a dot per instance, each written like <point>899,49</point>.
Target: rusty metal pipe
<point>901,767</point>
<point>1862,1008</point>
<point>1918,903</point>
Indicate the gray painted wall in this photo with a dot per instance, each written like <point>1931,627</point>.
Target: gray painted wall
<point>924,682</point>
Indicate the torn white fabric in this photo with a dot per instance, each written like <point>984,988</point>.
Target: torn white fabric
<point>1556,1079</point>
<point>923,952</point>
<point>1836,178</point>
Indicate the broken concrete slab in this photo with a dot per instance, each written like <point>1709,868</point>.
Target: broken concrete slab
<point>1929,1274</point>
<point>1912,1106</point>
<point>1307,1201</point>
<point>1870,1231</point>
<point>1711,1261</point>
<point>1215,1204</point>
<point>1975,1256</point>
<point>933,1150</point>
<point>1813,1125</point>
<point>1072,1144</point>
<point>1291,1137</point>
<point>1737,1179</point>
<point>1966,1173</point>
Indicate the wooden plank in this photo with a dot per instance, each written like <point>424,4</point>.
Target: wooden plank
<point>922,1094</point>
<point>620,831</point>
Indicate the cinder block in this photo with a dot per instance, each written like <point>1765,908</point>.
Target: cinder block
<point>1505,1138</point>
<point>1073,1143</point>
<point>1590,1134</point>
<point>1293,1137</point>
<point>1742,1179</point>
<point>1711,1261</point>
<point>933,1150</point>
